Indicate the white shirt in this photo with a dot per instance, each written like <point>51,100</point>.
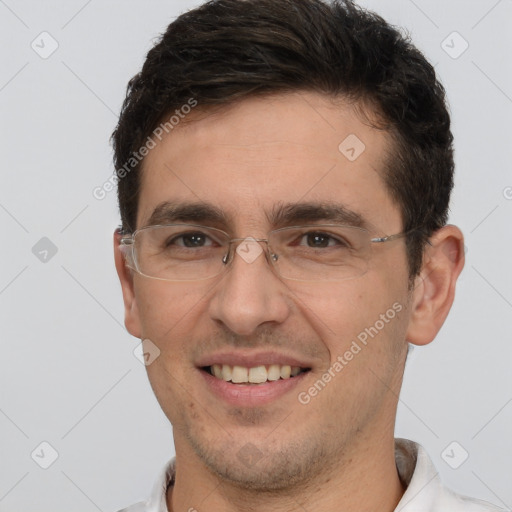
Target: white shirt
<point>424,493</point>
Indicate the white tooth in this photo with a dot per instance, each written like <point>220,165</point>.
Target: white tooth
<point>286,370</point>
<point>226,372</point>
<point>258,374</point>
<point>240,374</point>
<point>217,371</point>
<point>295,371</point>
<point>274,372</point>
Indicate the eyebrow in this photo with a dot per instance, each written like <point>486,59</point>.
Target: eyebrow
<point>195,213</point>
<point>297,213</point>
<point>281,215</point>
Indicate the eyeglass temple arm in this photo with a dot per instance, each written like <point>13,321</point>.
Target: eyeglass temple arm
<point>394,237</point>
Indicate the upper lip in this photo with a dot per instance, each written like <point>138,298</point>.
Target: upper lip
<point>251,359</point>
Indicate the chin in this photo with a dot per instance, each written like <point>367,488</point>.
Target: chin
<point>263,466</point>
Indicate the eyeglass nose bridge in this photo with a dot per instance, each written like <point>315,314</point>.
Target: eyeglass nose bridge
<point>233,243</point>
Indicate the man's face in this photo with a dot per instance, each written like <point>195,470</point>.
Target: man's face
<point>246,161</point>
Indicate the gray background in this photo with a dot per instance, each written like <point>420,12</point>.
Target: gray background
<point>68,373</point>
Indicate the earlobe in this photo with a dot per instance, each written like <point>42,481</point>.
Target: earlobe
<point>434,290</point>
<point>125,274</point>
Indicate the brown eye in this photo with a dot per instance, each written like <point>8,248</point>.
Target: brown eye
<point>191,240</point>
<point>321,240</point>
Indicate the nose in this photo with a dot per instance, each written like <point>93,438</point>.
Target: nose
<point>250,294</point>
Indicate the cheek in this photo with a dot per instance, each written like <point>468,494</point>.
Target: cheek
<point>367,309</point>
<point>165,307</point>
<point>169,313</point>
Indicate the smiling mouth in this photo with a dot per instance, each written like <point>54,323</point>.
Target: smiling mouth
<point>254,375</point>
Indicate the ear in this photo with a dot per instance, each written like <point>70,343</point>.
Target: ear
<point>125,273</point>
<point>434,288</point>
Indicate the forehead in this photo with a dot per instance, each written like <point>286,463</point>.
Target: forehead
<point>249,158</point>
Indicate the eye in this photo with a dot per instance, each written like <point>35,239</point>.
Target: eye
<point>192,240</point>
<point>320,240</point>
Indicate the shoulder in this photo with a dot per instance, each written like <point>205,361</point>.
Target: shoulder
<point>425,491</point>
<point>451,501</point>
<point>157,499</point>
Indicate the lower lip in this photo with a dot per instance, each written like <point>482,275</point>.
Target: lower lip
<point>251,395</point>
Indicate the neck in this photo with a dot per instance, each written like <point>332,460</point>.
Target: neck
<point>363,480</point>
